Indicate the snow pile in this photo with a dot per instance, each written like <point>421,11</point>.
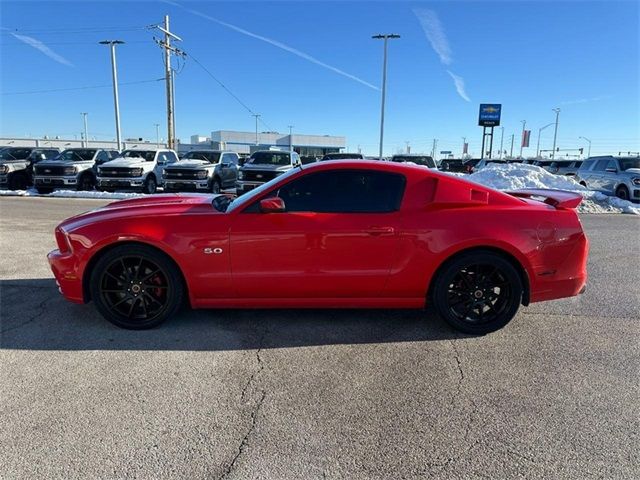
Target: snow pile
<point>514,176</point>
<point>32,192</point>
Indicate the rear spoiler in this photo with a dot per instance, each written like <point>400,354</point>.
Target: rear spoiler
<point>555,198</point>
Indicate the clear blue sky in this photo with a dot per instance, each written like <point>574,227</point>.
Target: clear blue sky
<point>530,56</point>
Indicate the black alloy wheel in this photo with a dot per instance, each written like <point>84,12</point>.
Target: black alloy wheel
<point>150,185</point>
<point>478,293</point>
<point>136,287</point>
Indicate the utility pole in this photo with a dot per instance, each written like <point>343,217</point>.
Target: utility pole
<point>257,115</point>
<point>157,125</point>
<point>291,137</point>
<point>114,74</point>
<point>524,123</point>
<point>539,132</point>
<point>589,141</point>
<point>555,133</point>
<point>501,139</point>
<point>407,148</point>
<point>86,135</point>
<point>433,149</point>
<point>512,137</point>
<point>385,37</point>
<point>464,142</point>
<point>168,72</point>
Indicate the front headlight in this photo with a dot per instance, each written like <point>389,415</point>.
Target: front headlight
<point>240,175</point>
<point>4,169</point>
<point>201,174</point>
<point>136,172</point>
<point>70,171</point>
<point>636,181</point>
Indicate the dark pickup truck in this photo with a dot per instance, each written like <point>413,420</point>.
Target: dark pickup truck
<point>264,165</point>
<point>16,165</point>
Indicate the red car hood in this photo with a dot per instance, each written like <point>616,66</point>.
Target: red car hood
<point>147,206</point>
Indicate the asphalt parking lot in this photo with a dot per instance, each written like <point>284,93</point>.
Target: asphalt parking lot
<point>316,394</point>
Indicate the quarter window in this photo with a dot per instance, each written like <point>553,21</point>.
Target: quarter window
<point>344,191</point>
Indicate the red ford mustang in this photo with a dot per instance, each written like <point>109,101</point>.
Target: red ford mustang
<point>333,234</point>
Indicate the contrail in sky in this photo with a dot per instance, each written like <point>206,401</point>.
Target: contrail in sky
<point>38,45</point>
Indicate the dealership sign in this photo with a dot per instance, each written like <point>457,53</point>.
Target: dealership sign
<point>489,114</point>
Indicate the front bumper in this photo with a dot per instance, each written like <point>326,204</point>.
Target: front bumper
<point>187,185</point>
<point>245,186</point>
<point>4,180</point>
<point>42,181</point>
<point>133,183</point>
<point>66,271</point>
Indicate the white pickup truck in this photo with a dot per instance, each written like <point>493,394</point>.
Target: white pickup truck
<point>135,170</point>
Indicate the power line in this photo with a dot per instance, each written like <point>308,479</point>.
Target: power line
<point>226,89</point>
<point>17,43</point>
<point>81,88</point>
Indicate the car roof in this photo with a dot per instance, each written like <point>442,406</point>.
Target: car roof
<point>364,164</point>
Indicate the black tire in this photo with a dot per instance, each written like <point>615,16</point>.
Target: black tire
<point>216,187</point>
<point>86,183</point>
<point>44,190</point>
<point>622,192</point>
<point>150,185</point>
<point>18,181</point>
<point>136,287</point>
<point>584,184</point>
<point>477,292</point>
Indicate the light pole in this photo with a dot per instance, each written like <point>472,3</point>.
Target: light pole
<point>539,131</point>
<point>114,73</point>
<point>385,37</point>
<point>501,139</point>
<point>464,143</point>
<point>433,148</point>
<point>555,133</point>
<point>512,137</point>
<point>257,115</point>
<point>157,125</point>
<point>291,137</point>
<point>524,123</point>
<point>589,141</point>
<point>86,134</point>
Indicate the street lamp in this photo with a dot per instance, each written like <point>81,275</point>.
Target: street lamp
<point>114,73</point>
<point>86,134</point>
<point>540,130</point>
<point>157,125</point>
<point>291,137</point>
<point>524,123</point>
<point>385,37</point>
<point>555,133</point>
<point>589,141</point>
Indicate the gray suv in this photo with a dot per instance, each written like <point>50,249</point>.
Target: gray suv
<point>612,175</point>
<point>73,168</point>
<point>202,171</point>
<point>564,167</point>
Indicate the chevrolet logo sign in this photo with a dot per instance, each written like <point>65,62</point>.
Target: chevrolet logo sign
<point>490,109</point>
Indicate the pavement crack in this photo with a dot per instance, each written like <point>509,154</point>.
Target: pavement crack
<point>257,371</point>
<point>245,440</point>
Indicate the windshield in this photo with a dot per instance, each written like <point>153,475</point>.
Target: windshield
<point>248,197</point>
<point>211,157</point>
<point>270,158</point>
<point>146,155</point>
<point>76,155</point>
<point>15,154</point>
<point>627,163</point>
<point>420,160</point>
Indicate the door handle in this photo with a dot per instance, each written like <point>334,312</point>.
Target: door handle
<point>380,230</point>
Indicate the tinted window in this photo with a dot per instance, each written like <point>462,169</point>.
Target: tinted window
<point>211,157</point>
<point>586,165</point>
<point>577,164</point>
<point>601,165</point>
<point>344,191</point>
<point>78,155</point>
<point>270,158</point>
<point>627,163</point>
<point>341,156</point>
<point>420,160</point>
<point>171,157</point>
<point>15,153</point>
<point>146,155</point>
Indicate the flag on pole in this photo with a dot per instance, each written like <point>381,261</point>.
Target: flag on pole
<point>526,135</point>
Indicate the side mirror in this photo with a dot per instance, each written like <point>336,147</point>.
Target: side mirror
<point>272,205</point>
<point>612,170</point>
<point>225,164</point>
<point>241,161</point>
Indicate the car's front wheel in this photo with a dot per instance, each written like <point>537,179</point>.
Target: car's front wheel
<point>478,292</point>
<point>150,185</point>
<point>136,287</point>
<point>622,192</point>
<point>215,186</point>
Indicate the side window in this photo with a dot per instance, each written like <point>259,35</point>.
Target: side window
<point>163,158</point>
<point>171,157</point>
<point>612,164</point>
<point>586,165</point>
<point>601,165</point>
<point>344,191</point>
<point>114,154</point>
<point>102,156</point>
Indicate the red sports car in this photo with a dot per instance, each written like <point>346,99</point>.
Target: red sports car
<point>347,234</point>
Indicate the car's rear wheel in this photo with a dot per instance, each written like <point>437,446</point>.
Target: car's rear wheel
<point>136,287</point>
<point>478,292</point>
<point>622,192</point>
<point>86,183</point>
<point>18,181</point>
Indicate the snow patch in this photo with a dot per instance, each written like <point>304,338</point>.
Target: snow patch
<point>32,192</point>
